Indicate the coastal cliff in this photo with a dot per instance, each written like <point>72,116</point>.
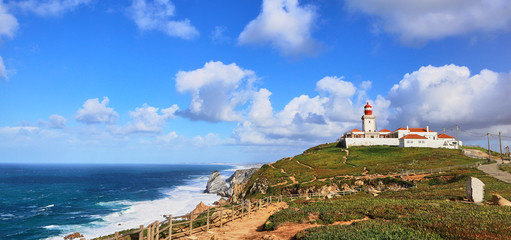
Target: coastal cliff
<point>233,187</point>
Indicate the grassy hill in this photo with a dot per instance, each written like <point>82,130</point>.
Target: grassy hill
<point>435,208</point>
<point>321,164</point>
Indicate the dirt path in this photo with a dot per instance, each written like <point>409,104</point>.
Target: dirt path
<point>494,171</point>
<point>307,166</point>
<point>248,228</point>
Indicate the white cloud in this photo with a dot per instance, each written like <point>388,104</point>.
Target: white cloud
<point>450,94</point>
<point>304,119</point>
<point>285,25</point>
<point>146,119</point>
<point>157,15</point>
<point>3,72</point>
<point>56,121</point>
<point>95,112</point>
<point>8,23</point>
<point>428,20</point>
<point>217,90</point>
<point>49,7</point>
<point>218,35</point>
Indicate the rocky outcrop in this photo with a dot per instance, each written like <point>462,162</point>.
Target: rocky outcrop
<point>73,236</point>
<point>200,208</point>
<point>499,200</point>
<point>216,184</point>
<point>237,183</point>
<point>233,187</point>
<point>241,176</point>
<point>260,186</point>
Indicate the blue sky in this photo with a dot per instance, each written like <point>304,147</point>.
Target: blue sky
<point>242,81</point>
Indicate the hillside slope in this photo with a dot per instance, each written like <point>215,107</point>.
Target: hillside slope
<point>327,163</point>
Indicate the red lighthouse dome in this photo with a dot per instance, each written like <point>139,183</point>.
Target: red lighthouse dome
<point>368,109</point>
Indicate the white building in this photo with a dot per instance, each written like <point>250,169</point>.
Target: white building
<point>402,137</point>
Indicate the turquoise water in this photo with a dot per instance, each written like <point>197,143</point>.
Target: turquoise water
<point>45,201</point>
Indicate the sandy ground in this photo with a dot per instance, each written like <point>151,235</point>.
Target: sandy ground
<point>251,227</point>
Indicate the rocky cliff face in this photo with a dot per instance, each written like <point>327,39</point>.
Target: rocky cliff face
<point>237,183</point>
<point>216,184</point>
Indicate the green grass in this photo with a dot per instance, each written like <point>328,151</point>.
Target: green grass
<point>385,159</point>
<point>376,229</point>
<point>433,209</point>
<point>447,219</point>
<point>506,167</point>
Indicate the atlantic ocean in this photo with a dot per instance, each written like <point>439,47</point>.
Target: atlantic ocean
<point>49,201</point>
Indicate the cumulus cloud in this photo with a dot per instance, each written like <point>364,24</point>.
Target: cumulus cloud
<point>8,23</point>
<point>218,35</point>
<point>146,119</point>
<point>304,119</point>
<point>94,112</point>
<point>428,20</point>
<point>217,90</point>
<point>54,121</point>
<point>48,7</point>
<point>285,25</point>
<point>3,72</point>
<point>157,15</point>
<point>450,94</point>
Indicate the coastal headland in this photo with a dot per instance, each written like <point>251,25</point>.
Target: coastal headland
<point>329,192</point>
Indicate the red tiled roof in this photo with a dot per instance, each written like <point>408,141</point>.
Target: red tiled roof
<point>443,135</point>
<point>415,129</point>
<point>385,130</point>
<point>355,130</point>
<point>413,136</point>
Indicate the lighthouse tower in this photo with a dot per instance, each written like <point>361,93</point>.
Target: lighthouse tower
<point>369,122</point>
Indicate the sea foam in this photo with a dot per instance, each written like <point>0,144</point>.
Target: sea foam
<point>178,201</point>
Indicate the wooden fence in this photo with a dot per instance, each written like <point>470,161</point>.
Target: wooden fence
<point>174,227</point>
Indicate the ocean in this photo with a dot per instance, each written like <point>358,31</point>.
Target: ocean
<point>50,201</point>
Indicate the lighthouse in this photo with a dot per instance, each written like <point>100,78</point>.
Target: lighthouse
<point>369,121</point>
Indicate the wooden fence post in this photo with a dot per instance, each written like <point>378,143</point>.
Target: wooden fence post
<point>207,221</point>
<point>141,233</point>
<point>116,235</point>
<point>259,205</point>
<point>149,228</point>
<point>232,216</point>
<point>249,207</point>
<point>157,230</point>
<point>191,225</point>
<point>170,226</point>
<point>221,216</point>
<point>242,209</point>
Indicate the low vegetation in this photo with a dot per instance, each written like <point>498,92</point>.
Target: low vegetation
<point>434,209</point>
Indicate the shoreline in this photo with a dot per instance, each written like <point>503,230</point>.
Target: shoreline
<point>177,200</point>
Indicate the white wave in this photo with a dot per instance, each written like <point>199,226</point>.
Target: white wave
<point>178,201</point>
<point>51,227</point>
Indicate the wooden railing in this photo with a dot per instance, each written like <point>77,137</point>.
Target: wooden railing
<point>174,227</point>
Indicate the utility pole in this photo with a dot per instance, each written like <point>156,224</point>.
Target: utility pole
<point>500,144</point>
<point>489,151</point>
<point>458,139</point>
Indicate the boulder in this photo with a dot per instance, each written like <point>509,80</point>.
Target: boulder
<point>499,200</point>
<point>329,190</point>
<point>216,184</point>
<point>359,183</point>
<point>200,208</point>
<point>475,190</point>
<point>73,236</point>
<point>260,186</point>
